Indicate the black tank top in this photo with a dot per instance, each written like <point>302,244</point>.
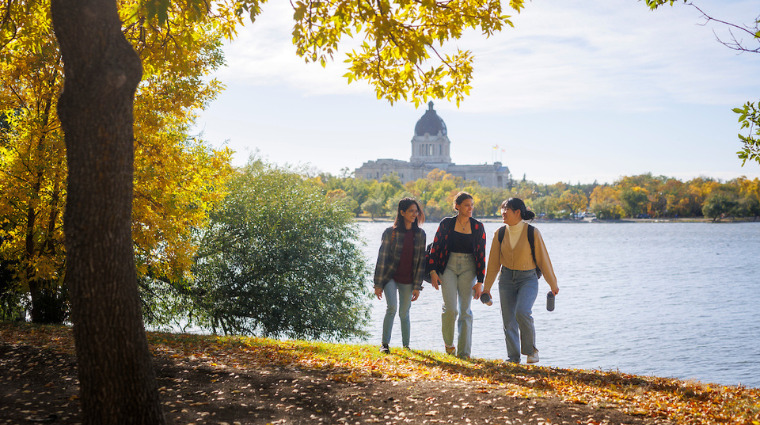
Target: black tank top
<point>462,243</point>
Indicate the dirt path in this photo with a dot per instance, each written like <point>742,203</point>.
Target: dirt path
<point>40,386</point>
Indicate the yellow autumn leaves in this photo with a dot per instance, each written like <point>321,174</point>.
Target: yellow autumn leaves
<point>683,402</point>
<point>177,177</point>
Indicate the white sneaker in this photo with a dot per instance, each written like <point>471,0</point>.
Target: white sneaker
<point>533,358</point>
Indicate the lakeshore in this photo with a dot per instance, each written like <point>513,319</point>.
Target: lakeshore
<point>494,219</point>
<point>206,379</point>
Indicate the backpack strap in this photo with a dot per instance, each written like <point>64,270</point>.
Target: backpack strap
<point>532,243</point>
<point>502,229</point>
<point>533,250</point>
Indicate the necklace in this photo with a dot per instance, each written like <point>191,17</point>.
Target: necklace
<point>462,224</point>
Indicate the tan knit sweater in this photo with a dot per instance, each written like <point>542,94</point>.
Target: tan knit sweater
<point>519,257</point>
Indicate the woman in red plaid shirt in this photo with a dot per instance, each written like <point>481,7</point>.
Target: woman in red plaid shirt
<point>457,262</point>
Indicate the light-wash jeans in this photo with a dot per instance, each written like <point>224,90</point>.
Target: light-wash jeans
<point>398,296</point>
<point>456,288</point>
<point>517,292</point>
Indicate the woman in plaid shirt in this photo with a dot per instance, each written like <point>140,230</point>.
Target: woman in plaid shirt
<point>400,268</point>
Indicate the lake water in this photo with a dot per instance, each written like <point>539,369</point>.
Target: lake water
<point>665,299</point>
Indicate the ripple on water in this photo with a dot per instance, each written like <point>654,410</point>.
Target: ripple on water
<point>665,299</point>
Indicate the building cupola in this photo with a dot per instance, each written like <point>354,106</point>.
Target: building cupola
<point>430,144</point>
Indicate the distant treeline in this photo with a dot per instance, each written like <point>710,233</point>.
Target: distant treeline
<point>641,196</point>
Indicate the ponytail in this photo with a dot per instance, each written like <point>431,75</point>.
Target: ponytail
<point>517,204</point>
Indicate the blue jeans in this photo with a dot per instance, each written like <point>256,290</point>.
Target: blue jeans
<point>517,292</point>
<point>404,301</point>
<point>456,288</point>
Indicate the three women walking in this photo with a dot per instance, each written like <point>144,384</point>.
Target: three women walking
<point>400,268</point>
<point>456,264</point>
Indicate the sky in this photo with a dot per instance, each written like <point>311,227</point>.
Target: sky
<point>578,91</point>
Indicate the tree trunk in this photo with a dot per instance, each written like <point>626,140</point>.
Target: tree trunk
<point>96,110</point>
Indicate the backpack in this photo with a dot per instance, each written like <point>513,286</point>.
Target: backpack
<point>503,229</point>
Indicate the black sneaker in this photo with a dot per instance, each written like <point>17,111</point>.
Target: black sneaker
<point>385,349</point>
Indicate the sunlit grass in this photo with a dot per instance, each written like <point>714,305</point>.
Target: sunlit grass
<point>672,399</point>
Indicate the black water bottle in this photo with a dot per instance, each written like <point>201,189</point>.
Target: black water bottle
<point>486,299</point>
<point>550,301</point>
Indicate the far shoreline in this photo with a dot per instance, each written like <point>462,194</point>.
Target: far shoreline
<point>492,219</point>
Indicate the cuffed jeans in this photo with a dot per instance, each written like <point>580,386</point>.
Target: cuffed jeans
<point>456,287</point>
<point>397,296</point>
<point>517,292</point>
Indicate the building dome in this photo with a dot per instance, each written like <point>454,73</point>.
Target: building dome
<point>430,123</point>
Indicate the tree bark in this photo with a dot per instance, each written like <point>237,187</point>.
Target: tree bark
<point>102,72</point>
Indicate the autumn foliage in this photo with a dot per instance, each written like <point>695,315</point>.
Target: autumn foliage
<point>639,196</point>
<point>683,402</point>
<point>178,177</point>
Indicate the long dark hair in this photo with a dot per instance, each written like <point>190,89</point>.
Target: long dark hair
<point>517,204</point>
<point>404,205</point>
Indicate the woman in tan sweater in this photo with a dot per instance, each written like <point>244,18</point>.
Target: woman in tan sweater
<point>518,281</point>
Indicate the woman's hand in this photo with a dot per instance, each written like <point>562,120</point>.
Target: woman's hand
<point>379,292</point>
<point>434,280</point>
<point>415,295</point>
<point>555,289</point>
<point>477,290</point>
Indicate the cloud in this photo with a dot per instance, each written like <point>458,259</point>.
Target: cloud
<point>263,54</point>
<point>580,54</point>
<point>565,54</point>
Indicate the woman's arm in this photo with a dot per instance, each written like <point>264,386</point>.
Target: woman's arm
<point>420,241</point>
<point>544,262</point>
<point>494,263</point>
<point>434,264</point>
<point>383,258</point>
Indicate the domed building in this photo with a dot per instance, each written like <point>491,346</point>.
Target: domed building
<point>431,150</point>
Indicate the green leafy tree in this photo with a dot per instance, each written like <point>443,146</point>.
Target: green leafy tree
<point>719,204</point>
<point>374,206</point>
<point>634,201</point>
<point>357,189</point>
<point>489,200</point>
<point>747,207</point>
<point>434,211</point>
<point>605,203</point>
<point>340,195</point>
<point>541,205</point>
<point>749,118</point>
<point>676,196</point>
<point>574,200</point>
<point>280,259</point>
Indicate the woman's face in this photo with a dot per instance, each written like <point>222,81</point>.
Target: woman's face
<point>410,215</point>
<point>511,217</point>
<point>466,207</point>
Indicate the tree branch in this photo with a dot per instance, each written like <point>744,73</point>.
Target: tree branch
<point>734,44</point>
